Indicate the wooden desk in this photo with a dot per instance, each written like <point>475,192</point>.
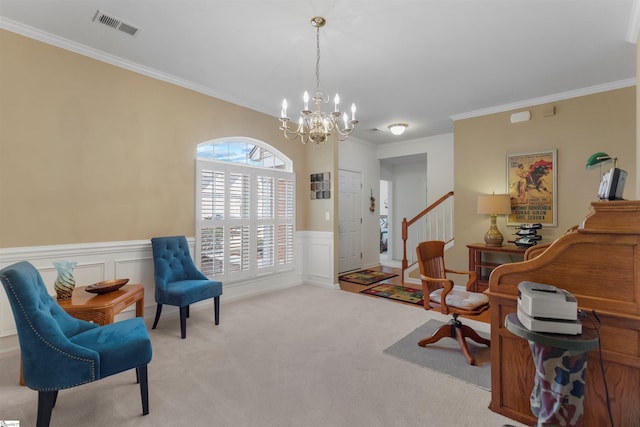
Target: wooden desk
<point>101,308</point>
<point>484,267</point>
<point>599,263</point>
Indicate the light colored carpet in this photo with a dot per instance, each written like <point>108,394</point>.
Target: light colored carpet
<point>301,357</point>
<point>445,356</point>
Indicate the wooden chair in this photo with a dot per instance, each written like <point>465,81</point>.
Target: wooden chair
<point>439,292</point>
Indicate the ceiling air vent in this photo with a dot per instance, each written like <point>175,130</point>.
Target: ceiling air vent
<point>115,23</point>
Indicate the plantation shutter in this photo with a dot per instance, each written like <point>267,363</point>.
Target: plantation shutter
<point>285,207</point>
<point>212,202</point>
<point>245,220</point>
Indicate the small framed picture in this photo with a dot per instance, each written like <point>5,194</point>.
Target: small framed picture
<point>320,185</point>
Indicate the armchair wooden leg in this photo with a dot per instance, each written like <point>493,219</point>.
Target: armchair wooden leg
<point>158,311</point>
<point>183,321</point>
<point>144,388</point>
<point>464,347</point>
<point>444,331</point>
<point>470,333</point>
<point>455,329</point>
<point>216,308</point>
<point>46,402</point>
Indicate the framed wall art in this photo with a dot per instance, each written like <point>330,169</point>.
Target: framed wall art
<point>532,185</point>
<point>320,185</point>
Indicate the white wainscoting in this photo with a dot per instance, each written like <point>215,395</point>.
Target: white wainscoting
<point>133,260</point>
<point>317,267</point>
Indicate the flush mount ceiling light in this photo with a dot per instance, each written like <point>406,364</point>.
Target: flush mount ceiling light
<point>317,125</point>
<point>398,128</point>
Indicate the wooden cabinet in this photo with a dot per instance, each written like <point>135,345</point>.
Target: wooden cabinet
<point>599,263</point>
<point>483,259</point>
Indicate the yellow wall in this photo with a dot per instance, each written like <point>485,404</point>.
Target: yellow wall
<point>581,126</point>
<point>90,152</point>
<point>320,158</point>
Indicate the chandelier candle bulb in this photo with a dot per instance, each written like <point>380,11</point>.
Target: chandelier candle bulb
<point>305,98</point>
<point>337,101</point>
<point>284,108</point>
<point>353,113</point>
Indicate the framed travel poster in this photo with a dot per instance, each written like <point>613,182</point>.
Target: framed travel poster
<point>532,186</point>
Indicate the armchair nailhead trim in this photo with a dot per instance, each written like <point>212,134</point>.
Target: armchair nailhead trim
<point>48,344</point>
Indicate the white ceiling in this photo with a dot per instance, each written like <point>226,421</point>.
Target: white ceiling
<point>416,61</point>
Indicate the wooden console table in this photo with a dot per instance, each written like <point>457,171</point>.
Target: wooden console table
<point>101,308</point>
<point>483,267</point>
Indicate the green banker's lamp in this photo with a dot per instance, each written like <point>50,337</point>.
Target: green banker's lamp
<point>612,182</point>
<point>600,159</point>
<point>494,205</point>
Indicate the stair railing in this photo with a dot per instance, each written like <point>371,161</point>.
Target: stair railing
<point>433,223</point>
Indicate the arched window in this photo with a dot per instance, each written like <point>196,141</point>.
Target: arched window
<point>245,212</point>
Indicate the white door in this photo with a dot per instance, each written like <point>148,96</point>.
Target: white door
<point>349,221</point>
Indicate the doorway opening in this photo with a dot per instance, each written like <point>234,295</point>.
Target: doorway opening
<point>385,220</point>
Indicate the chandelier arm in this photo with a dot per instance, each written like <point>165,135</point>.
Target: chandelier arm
<point>319,97</point>
<point>288,132</point>
<point>304,137</point>
<point>344,132</point>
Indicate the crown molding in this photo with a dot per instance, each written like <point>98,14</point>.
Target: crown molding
<point>45,37</point>
<point>546,99</point>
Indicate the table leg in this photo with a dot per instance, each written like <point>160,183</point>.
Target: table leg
<point>140,307</point>
<point>557,398</point>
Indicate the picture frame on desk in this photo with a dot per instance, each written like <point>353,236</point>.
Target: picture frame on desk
<point>532,185</point>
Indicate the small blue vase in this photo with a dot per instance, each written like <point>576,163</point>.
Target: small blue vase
<point>65,281</point>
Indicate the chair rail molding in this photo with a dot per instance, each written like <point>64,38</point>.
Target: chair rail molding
<point>98,261</point>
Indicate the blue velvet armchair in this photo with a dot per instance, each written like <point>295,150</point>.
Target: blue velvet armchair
<point>59,351</point>
<point>178,281</point>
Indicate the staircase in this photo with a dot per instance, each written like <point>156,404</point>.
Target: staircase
<point>433,223</point>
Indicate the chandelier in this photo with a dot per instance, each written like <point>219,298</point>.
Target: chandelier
<point>317,125</point>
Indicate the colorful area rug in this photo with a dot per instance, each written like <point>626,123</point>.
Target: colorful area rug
<point>399,293</point>
<point>366,277</point>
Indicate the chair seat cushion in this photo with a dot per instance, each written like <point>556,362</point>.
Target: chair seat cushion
<point>185,292</point>
<point>460,299</point>
<point>122,345</point>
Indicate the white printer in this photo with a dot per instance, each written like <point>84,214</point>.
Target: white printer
<point>545,308</point>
